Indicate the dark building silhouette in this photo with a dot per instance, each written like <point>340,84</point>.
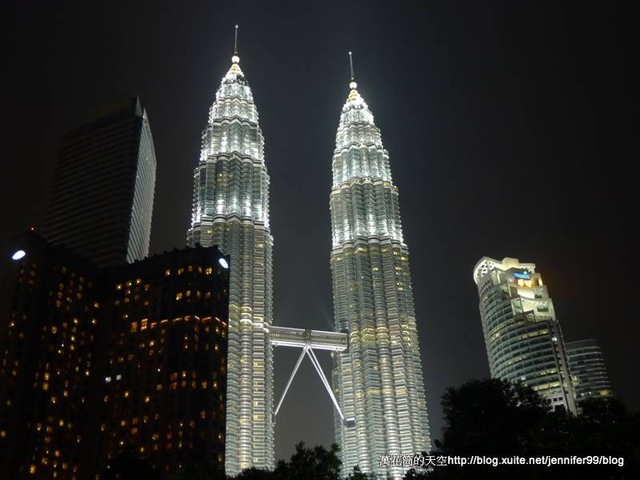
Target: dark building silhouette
<point>95,362</point>
<point>102,197</point>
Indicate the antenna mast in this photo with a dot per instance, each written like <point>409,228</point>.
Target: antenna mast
<point>235,42</point>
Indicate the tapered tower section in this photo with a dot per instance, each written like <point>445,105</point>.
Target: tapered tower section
<point>378,381</point>
<point>231,210</point>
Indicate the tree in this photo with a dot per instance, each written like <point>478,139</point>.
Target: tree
<point>412,474</point>
<point>315,463</point>
<point>494,420</point>
<point>255,474</point>
<point>358,474</point>
<point>490,417</point>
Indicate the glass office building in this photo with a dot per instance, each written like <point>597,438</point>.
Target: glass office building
<point>102,196</point>
<point>522,334</point>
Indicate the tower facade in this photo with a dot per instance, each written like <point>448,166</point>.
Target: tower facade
<point>522,334</point>
<point>378,381</point>
<point>231,210</point>
<point>102,196</point>
<point>588,370</point>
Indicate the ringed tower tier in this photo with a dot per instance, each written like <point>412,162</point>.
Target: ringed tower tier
<point>231,210</point>
<point>378,381</point>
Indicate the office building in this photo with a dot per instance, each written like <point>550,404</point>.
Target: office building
<point>164,388</point>
<point>50,316</point>
<point>101,361</point>
<point>588,370</point>
<point>102,196</point>
<point>231,210</point>
<point>522,334</point>
<point>378,381</point>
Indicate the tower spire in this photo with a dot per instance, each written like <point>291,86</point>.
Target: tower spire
<point>352,85</point>
<point>235,58</point>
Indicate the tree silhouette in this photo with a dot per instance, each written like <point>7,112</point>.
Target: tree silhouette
<point>494,420</point>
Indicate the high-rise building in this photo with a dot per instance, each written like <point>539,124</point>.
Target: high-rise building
<point>100,362</point>
<point>164,390</point>
<point>588,370</point>
<point>522,334</point>
<point>102,197</point>
<point>50,302</point>
<point>231,210</point>
<point>378,381</point>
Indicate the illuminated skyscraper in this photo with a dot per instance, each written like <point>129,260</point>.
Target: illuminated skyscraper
<point>102,197</point>
<point>231,210</point>
<point>522,335</point>
<point>378,381</point>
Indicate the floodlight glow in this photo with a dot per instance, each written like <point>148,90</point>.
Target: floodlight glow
<point>18,255</point>
<point>224,263</point>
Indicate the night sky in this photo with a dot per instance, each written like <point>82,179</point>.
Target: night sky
<point>508,126</point>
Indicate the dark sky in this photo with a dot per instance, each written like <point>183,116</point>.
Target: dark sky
<point>508,125</point>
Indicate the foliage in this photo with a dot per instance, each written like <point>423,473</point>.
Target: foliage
<point>490,417</point>
<point>412,474</point>
<point>358,474</point>
<point>315,463</point>
<point>255,474</point>
<point>496,420</point>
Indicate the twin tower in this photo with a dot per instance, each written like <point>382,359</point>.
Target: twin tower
<point>377,384</point>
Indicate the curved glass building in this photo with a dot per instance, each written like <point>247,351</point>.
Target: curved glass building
<point>588,370</point>
<point>101,201</point>
<point>231,210</point>
<point>521,332</point>
<point>378,381</point>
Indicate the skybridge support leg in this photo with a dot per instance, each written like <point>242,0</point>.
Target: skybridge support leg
<point>307,350</point>
<point>316,364</point>
<point>293,374</point>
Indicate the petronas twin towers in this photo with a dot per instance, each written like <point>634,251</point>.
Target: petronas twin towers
<point>377,381</point>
